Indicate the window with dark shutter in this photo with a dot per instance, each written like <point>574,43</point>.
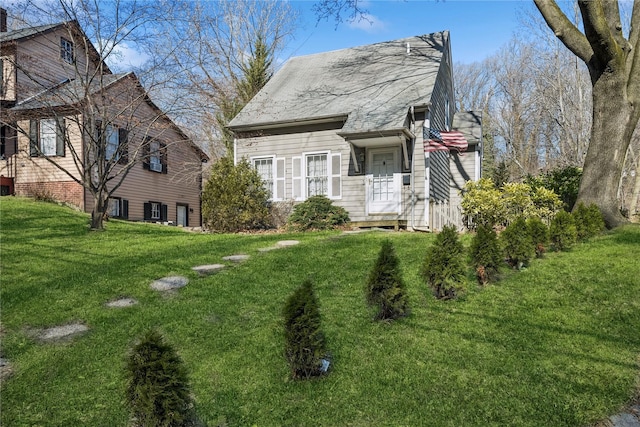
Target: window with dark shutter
<point>33,138</point>
<point>164,212</point>
<point>146,152</point>
<point>123,146</point>
<point>124,211</point>
<point>163,157</point>
<point>60,136</point>
<point>147,211</point>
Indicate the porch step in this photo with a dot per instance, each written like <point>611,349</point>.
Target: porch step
<point>395,223</point>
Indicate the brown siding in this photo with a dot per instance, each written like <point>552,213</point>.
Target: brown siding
<point>40,65</point>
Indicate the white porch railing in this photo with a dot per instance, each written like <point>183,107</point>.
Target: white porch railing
<point>444,213</point>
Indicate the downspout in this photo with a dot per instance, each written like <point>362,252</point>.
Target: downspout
<point>414,198</point>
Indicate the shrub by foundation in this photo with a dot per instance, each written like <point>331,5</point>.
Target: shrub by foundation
<point>385,287</point>
<point>317,213</point>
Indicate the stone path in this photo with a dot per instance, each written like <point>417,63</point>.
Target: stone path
<point>169,283</point>
<point>630,418</point>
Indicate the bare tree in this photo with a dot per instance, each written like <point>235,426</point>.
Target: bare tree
<point>613,61</point>
<point>104,123</point>
<point>221,38</point>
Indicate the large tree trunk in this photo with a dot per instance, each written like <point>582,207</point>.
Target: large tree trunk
<point>97,213</point>
<point>610,138</point>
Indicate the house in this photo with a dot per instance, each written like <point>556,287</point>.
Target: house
<point>373,128</point>
<point>67,120</point>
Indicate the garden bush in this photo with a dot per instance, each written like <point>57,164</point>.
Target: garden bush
<point>517,243</point>
<point>317,213</point>
<point>385,287</point>
<point>235,198</point>
<point>158,391</point>
<point>443,268</point>
<point>486,255</point>
<point>483,204</point>
<point>305,347</point>
<point>562,231</point>
<point>588,221</point>
<point>539,233</point>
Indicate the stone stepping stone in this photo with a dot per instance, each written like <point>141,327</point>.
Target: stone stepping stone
<point>5,369</point>
<point>208,269</point>
<point>169,283</point>
<point>236,258</point>
<point>287,243</point>
<point>122,302</point>
<point>64,331</point>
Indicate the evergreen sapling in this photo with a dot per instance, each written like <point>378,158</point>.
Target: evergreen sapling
<point>385,287</point>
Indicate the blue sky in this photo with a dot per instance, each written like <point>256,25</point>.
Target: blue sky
<point>478,28</point>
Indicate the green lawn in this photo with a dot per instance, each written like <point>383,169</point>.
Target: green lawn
<point>556,344</point>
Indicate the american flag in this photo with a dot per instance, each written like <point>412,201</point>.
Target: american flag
<point>435,140</point>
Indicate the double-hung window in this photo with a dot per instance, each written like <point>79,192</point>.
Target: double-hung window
<point>112,141</point>
<point>114,207</point>
<point>264,166</point>
<point>155,210</point>
<point>66,50</point>
<point>155,157</point>
<point>48,134</point>
<point>315,174</point>
<point>47,137</point>
<point>272,172</point>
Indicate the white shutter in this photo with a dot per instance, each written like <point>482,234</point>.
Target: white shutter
<point>296,178</point>
<point>279,174</point>
<point>336,176</point>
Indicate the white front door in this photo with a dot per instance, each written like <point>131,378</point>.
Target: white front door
<point>182,215</point>
<point>383,181</point>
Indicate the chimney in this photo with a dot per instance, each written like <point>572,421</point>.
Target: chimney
<point>3,20</point>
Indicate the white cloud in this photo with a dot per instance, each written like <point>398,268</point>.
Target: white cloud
<point>124,58</point>
<point>368,23</point>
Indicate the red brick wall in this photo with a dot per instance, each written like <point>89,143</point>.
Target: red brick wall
<point>61,191</point>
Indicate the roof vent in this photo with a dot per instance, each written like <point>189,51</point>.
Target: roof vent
<point>408,49</point>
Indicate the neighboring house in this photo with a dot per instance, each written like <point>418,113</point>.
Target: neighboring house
<point>56,96</point>
<point>373,128</point>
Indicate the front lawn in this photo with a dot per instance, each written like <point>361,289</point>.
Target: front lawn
<point>556,344</point>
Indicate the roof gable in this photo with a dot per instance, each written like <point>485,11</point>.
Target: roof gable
<point>373,86</point>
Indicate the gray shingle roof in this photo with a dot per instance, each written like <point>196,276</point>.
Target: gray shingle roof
<point>69,92</point>
<point>373,86</point>
<point>27,32</point>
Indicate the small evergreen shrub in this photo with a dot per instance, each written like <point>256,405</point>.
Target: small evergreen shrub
<point>385,287</point>
<point>486,255</point>
<point>563,232</point>
<point>443,268</point>
<point>588,221</point>
<point>235,198</point>
<point>317,213</point>
<point>539,233</point>
<point>158,390</point>
<point>517,243</point>
<point>305,347</point>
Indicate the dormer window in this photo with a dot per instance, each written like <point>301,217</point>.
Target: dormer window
<point>66,50</point>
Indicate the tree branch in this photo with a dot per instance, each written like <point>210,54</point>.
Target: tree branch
<point>566,32</point>
<point>597,30</point>
<point>633,61</point>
